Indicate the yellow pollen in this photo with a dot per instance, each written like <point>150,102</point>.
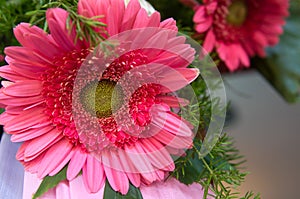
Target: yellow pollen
<point>237,13</point>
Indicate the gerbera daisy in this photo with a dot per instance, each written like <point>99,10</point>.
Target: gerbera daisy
<point>240,29</point>
<point>114,123</point>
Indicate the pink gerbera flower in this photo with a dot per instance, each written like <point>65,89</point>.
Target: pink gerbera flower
<point>240,29</point>
<point>63,122</point>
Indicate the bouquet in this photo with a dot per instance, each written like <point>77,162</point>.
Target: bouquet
<point>112,101</point>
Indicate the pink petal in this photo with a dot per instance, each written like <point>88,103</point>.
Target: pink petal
<point>88,8</point>
<point>204,26</point>
<point>115,16</point>
<point>232,62</point>
<point>175,41</point>
<point>26,119</point>
<point>200,15</point>
<point>6,117</point>
<point>173,141</point>
<point>260,38</point>
<point>142,20</point>
<point>248,48</point>
<point>227,54</point>
<point>173,101</point>
<point>25,55</point>
<point>173,60</point>
<point>15,110</point>
<point>210,41</point>
<point>157,154</point>
<point>130,14</point>
<point>154,20</point>
<point>62,163</point>
<point>24,88</point>
<point>141,37</point>
<point>30,134</point>
<point>185,52</point>
<point>21,152</point>
<point>165,120</point>
<point>169,24</point>
<point>157,41</point>
<point>34,165</point>
<point>19,101</point>
<point>242,56</point>
<point>137,155</point>
<point>190,74</point>
<point>93,174</point>
<point>129,168</point>
<point>54,157</point>
<point>116,178</point>
<point>56,19</point>
<point>76,164</point>
<point>24,29</point>
<point>62,190</point>
<point>36,39</point>
<point>175,79</point>
<point>211,7</point>
<point>7,73</point>
<point>42,143</point>
<point>27,70</point>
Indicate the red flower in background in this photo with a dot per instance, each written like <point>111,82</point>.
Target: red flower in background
<point>240,29</point>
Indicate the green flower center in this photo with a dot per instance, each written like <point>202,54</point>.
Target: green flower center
<point>237,12</point>
<point>101,98</point>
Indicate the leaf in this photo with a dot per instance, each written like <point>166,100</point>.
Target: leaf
<point>50,182</point>
<point>133,193</point>
<point>193,167</point>
<point>282,67</point>
<point>192,172</point>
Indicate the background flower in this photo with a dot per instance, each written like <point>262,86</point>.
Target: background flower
<point>240,29</point>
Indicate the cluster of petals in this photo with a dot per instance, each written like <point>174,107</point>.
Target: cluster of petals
<point>38,108</point>
<point>259,24</point>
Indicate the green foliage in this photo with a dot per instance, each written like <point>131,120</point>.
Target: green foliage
<point>85,26</point>
<point>11,13</point>
<point>15,11</point>
<point>219,171</point>
<point>174,9</point>
<point>50,182</point>
<point>133,193</point>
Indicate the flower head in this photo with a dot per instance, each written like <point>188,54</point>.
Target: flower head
<point>240,29</point>
<point>105,111</point>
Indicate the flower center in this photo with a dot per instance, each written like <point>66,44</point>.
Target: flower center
<point>101,98</point>
<point>237,12</point>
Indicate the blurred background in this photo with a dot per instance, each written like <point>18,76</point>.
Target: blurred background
<point>266,129</point>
